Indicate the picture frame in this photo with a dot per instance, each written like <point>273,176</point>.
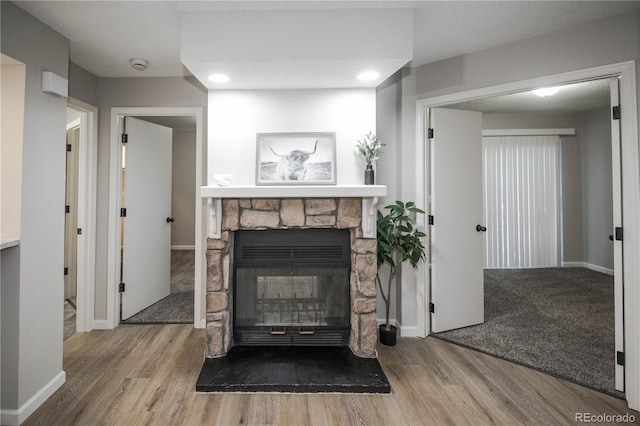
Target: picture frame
<point>296,158</point>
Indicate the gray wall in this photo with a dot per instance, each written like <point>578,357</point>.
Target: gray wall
<point>597,196</point>
<point>132,92</point>
<point>183,188</point>
<point>83,85</point>
<point>40,316</point>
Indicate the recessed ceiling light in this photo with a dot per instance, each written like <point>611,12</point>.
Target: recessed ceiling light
<point>219,78</point>
<point>546,91</point>
<point>369,76</point>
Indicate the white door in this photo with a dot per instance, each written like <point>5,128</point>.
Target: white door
<point>617,244</point>
<point>146,257</point>
<point>457,236</point>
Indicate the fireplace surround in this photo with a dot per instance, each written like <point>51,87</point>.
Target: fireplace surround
<point>287,213</point>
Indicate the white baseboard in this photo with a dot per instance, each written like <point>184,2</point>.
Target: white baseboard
<point>599,268</point>
<point>587,265</point>
<point>573,264</point>
<point>183,247</point>
<point>409,331</point>
<point>101,325</point>
<point>405,331</point>
<point>16,417</point>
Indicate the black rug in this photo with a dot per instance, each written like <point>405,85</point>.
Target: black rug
<point>557,320</point>
<point>298,369</point>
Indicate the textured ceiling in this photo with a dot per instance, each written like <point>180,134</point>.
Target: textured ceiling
<point>105,34</point>
<point>572,98</point>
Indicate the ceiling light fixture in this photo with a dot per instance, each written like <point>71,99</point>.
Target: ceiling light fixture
<point>546,91</point>
<point>139,64</point>
<point>369,76</point>
<point>219,78</point>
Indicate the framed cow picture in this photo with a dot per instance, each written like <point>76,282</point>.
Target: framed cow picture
<point>296,159</point>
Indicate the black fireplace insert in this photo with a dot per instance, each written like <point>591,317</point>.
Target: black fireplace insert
<point>291,287</point>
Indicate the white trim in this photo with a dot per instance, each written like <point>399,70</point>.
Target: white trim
<point>408,331</point>
<point>87,211</point>
<point>113,264</point>
<point>101,325</point>
<point>73,123</point>
<point>587,265</point>
<point>573,265</point>
<point>529,132</point>
<point>16,417</point>
<point>631,189</point>
<point>183,247</point>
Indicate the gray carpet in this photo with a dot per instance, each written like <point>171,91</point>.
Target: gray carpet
<point>557,320</point>
<point>177,308</point>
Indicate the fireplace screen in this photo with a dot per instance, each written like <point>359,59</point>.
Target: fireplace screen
<point>292,287</point>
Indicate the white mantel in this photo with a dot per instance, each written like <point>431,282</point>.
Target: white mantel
<point>368,193</point>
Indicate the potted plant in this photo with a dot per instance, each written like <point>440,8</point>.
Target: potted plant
<point>368,148</point>
<point>398,241</point>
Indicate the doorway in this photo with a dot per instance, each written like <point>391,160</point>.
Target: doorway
<point>183,217</point>
<point>80,218</point>
<point>498,114</point>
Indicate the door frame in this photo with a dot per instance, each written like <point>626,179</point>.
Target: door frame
<point>115,181</point>
<point>630,194</point>
<point>87,210</point>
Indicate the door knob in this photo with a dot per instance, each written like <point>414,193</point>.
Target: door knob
<point>170,220</point>
<point>611,237</point>
<point>481,228</point>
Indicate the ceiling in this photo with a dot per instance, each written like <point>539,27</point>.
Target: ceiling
<point>104,35</point>
<point>571,98</point>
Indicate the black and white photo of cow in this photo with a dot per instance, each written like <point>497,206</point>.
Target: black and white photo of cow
<point>293,166</point>
<point>302,158</point>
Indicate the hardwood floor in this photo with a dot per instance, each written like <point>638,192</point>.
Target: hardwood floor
<point>146,374</point>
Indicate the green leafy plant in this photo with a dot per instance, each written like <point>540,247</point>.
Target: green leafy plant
<point>398,241</point>
<point>368,147</point>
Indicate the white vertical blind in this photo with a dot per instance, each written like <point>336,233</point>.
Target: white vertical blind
<point>521,194</point>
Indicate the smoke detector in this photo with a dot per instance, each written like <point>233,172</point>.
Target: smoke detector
<point>139,64</point>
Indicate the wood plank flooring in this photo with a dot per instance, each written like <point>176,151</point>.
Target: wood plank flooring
<point>146,374</point>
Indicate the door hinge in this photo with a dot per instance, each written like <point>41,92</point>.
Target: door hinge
<point>619,234</point>
<point>615,112</point>
<point>431,220</point>
<point>125,138</point>
<point>429,133</point>
<point>432,308</point>
<point>620,358</point>
<point>67,209</point>
<point>79,231</point>
<point>66,271</point>
<point>123,212</point>
<point>68,147</point>
<point>121,288</point>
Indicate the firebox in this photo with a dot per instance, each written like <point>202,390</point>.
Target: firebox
<point>291,287</point>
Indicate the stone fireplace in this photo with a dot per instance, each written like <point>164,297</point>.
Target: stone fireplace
<point>351,213</point>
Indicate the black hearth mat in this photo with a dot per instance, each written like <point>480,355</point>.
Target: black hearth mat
<point>296,369</point>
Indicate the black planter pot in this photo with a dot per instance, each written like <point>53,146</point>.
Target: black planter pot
<point>388,337</point>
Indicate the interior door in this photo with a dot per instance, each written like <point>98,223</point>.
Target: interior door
<point>618,277</point>
<point>457,236</point>
<point>71,216</point>
<point>146,256</point>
